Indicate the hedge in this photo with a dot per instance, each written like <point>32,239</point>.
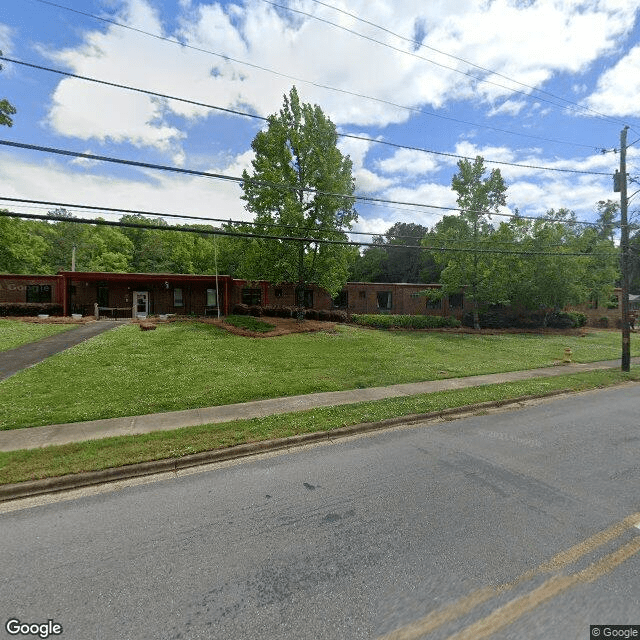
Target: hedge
<point>384,321</point>
<point>30,308</point>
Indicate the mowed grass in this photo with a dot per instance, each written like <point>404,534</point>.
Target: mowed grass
<point>14,333</point>
<point>33,464</point>
<point>186,365</point>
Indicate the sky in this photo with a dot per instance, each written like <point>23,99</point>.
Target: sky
<point>541,89</point>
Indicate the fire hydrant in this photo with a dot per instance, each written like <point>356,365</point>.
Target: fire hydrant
<point>567,355</point>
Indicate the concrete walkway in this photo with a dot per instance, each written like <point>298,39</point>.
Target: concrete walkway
<point>29,354</point>
<point>75,432</point>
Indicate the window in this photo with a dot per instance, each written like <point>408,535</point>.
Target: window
<point>341,300</point>
<point>456,301</point>
<point>434,304</point>
<point>38,293</point>
<point>384,300</point>
<point>277,293</point>
<point>251,296</point>
<point>177,298</point>
<point>362,295</point>
<point>212,298</point>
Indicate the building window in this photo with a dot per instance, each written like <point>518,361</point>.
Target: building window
<point>177,298</point>
<point>362,295</point>
<point>308,298</point>
<point>341,301</point>
<point>212,298</point>
<point>38,293</point>
<point>277,293</point>
<point>434,304</point>
<point>456,300</point>
<point>251,296</point>
<point>384,300</point>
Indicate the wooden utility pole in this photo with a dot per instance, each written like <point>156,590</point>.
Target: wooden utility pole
<point>624,248</point>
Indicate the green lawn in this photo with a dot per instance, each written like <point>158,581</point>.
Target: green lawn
<point>185,365</point>
<point>93,455</point>
<point>14,333</point>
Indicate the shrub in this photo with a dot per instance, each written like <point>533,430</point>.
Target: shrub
<point>255,311</point>
<point>240,309</point>
<point>385,321</point>
<point>566,320</point>
<point>324,315</point>
<point>337,315</point>
<point>30,308</point>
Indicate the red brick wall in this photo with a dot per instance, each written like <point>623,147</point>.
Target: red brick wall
<point>13,288</point>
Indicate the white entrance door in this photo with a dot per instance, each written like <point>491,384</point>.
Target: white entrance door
<point>141,299</point>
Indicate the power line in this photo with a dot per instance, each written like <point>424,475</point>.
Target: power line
<point>297,79</point>
<point>236,179</point>
<point>262,118</point>
<point>421,45</point>
<point>308,240</point>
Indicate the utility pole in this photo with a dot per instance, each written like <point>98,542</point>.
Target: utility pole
<point>624,248</point>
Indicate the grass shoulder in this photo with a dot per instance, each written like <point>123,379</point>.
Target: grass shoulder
<point>20,466</point>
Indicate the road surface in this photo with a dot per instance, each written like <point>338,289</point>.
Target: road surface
<point>515,524</point>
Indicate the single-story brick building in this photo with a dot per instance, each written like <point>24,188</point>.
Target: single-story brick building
<point>140,294</point>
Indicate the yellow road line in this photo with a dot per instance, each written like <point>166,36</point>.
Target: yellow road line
<point>464,605</point>
<point>553,587</point>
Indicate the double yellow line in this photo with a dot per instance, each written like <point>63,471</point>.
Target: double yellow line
<point>511,611</point>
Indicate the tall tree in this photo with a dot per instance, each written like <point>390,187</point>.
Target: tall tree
<point>302,181</point>
<point>471,267</point>
<point>22,250</point>
<point>6,109</point>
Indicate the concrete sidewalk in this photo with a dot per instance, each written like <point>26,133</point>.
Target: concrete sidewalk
<point>95,429</point>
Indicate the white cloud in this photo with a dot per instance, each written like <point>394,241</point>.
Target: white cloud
<point>498,35</point>
<point>619,87</point>
<point>150,191</point>
<point>408,162</point>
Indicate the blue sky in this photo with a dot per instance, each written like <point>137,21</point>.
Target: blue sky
<point>522,82</point>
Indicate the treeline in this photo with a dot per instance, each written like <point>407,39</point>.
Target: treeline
<point>48,247</point>
<point>517,261</point>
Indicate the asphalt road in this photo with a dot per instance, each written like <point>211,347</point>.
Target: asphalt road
<point>517,524</point>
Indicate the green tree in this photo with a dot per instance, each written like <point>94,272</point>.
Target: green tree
<point>22,250</point>
<point>301,180</point>
<point>6,109</point>
<point>472,267</point>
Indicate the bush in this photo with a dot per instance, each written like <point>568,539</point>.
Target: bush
<point>311,314</point>
<point>566,320</point>
<point>380,321</point>
<point>324,315</point>
<point>270,311</point>
<point>255,311</point>
<point>240,309</point>
<point>30,308</point>
<point>337,315</point>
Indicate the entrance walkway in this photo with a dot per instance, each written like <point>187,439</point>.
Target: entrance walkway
<point>27,355</point>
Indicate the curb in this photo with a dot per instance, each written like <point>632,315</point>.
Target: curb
<point>33,488</point>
